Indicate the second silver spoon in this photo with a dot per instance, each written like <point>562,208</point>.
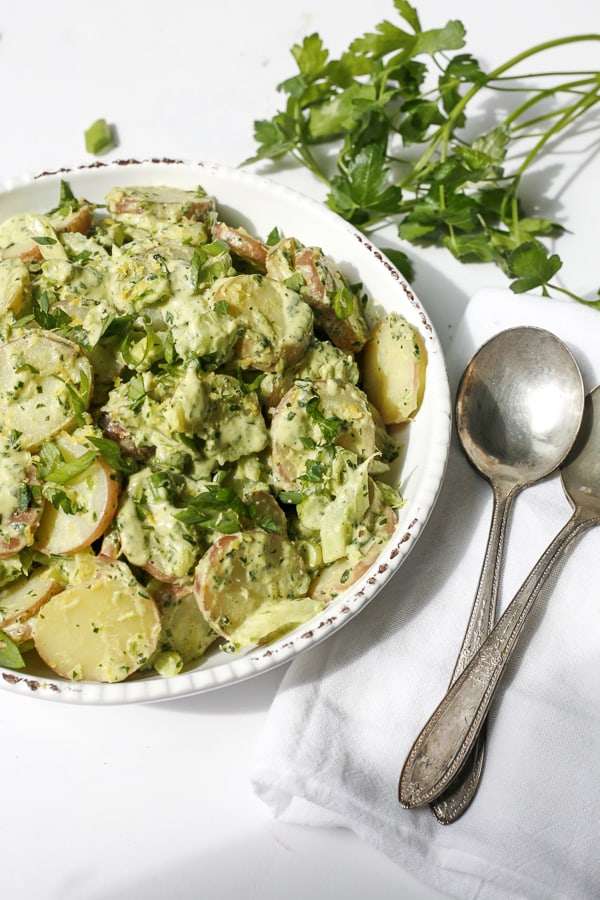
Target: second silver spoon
<point>518,409</point>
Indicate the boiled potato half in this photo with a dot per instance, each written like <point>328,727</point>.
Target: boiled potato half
<point>277,324</point>
<point>40,376</point>
<point>394,362</point>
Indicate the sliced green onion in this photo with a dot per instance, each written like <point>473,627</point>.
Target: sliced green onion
<point>100,137</point>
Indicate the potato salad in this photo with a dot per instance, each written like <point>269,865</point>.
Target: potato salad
<point>194,438</point>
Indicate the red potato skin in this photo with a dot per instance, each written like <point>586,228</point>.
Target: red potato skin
<point>79,221</point>
<point>341,331</point>
<point>242,245</point>
<point>31,253</point>
<point>111,506</point>
<point>108,514</point>
<point>161,576</point>
<point>110,549</point>
<point>117,433</point>
<point>209,562</point>
<point>130,205</point>
<point>166,594</point>
<point>22,627</point>
<point>26,521</point>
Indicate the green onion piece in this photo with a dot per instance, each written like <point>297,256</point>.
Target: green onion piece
<point>10,655</point>
<point>99,137</point>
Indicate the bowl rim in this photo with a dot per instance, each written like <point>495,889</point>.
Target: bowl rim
<point>239,668</point>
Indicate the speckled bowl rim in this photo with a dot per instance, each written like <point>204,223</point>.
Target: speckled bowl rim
<point>428,437</point>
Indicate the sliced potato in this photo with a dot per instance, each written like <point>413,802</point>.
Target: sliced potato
<point>280,262</point>
<point>161,202</point>
<point>242,573</point>
<point>94,496</point>
<point>22,600</point>
<point>41,375</point>
<point>76,220</point>
<point>100,630</point>
<point>149,533</point>
<point>336,520</point>
<point>14,285</point>
<point>29,237</point>
<point>266,511</point>
<point>232,425</point>
<point>137,280</point>
<point>394,363</point>
<point>321,360</point>
<point>277,324</point>
<point>272,620</point>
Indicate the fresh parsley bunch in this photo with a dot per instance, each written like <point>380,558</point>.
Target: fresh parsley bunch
<point>392,113</point>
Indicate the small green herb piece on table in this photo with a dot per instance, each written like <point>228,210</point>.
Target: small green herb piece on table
<point>100,137</point>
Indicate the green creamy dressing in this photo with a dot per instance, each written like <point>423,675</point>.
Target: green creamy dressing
<point>333,521</point>
<point>156,537</point>
<point>198,329</point>
<point>13,473</point>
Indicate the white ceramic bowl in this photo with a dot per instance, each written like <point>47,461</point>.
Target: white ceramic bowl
<point>260,205</point>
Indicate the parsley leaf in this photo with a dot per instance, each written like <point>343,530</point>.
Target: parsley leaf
<point>533,266</point>
<point>111,453</point>
<point>218,508</point>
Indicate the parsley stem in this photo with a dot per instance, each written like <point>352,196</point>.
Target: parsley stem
<point>593,304</point>
<point>511,119</point>
<point>568,117</point>
<point>445,131</point>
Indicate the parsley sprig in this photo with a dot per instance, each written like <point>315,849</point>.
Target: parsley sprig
<point>392,113</point>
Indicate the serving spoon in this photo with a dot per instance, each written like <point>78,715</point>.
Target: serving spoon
<point>448,737</point>
<point>518,409</point>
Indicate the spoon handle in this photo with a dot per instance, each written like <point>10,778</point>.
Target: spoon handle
<point>459,795</point>
<point>483,612</point>
<point>447,738</point>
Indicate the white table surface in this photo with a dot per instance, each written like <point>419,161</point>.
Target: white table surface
<point>154,801</point>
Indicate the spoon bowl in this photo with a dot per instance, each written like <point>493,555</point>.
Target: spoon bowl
<point>519,406</point>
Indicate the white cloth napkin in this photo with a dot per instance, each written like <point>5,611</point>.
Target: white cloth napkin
<point>349,709</point>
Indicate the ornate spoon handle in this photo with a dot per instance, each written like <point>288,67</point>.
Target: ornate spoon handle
<point>443,745</point>
<point>459,795</point>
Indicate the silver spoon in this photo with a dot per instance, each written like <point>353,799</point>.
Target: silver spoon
<point>448,737</point>
<point>518,409</point>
